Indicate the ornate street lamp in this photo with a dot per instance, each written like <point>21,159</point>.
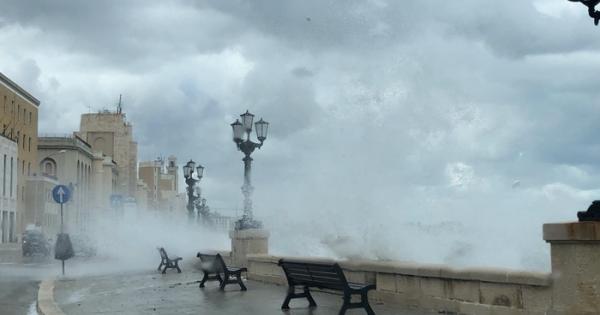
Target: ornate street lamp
<point>188,171</point>
<point>247,147</point>
<point>591,5</point>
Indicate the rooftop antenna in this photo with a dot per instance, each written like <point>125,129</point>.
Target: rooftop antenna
<point>120,106</point>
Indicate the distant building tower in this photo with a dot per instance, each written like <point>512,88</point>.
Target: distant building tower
<point>172,170</point>
<point>162,187</point>
<point>110,133</point>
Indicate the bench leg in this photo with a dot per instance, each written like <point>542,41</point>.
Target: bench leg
<point>311,301</point>
<point>240,282</point>
<point>345,306</point>
<point>288,298</point>
<point>160,265</point>
<point>224,282</point>
<point>165,269</point>
<point>204,280</point>
<point>364,300</point>
<point>177,267</point>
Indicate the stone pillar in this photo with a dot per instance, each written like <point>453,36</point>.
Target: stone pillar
<point>248,242</point>
<point>575,254</point>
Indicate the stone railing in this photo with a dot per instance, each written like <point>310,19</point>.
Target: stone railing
<point>434,287</point>
<point>572,288</point>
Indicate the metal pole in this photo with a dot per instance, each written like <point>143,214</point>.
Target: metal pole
<point>61,219</point>
<point>61,232</point>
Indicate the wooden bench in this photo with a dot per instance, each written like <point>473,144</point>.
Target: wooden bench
<point>214,268</point>
<point>168,263</point>
<point>306,275</point>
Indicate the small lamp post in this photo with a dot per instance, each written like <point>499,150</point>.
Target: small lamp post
<point>188,172</point>
<point>247,146</point>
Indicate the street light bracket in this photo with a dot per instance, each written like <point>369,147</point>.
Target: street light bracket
<point>591,5</point>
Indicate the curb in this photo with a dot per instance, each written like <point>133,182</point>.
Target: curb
<point>45,299</point>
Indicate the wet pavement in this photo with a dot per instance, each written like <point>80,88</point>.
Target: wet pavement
<point>19,284</point>
<point>150,292</point>
<point>18,297</point>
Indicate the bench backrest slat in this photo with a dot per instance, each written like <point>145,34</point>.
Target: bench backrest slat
<point>321,275</point>
<point>163,253</point>
<point>212,262</point>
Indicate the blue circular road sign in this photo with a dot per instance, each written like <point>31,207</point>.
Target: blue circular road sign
<point>61,194</point>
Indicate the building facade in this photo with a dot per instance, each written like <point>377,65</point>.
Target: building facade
<point>111,134</point>
<point>42,212</point>
<point>69,160</point>
<point>8,197</point>
<point>19,122</point>
<point>161,185</point>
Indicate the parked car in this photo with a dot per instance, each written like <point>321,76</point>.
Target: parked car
<point>35,243</point>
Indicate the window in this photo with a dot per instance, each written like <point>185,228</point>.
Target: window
<point>11,175</point>
<point>24,144</point>
<point>29,144</point>
<point>23,168</point>
<point>4,176</point>
<point>30,117</point>
<point>4,226</point>
<point>48,167</point>
<point>11,229</point>
<point>29,169</point>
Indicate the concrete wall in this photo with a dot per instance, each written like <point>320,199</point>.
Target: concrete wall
<point>433,287</point>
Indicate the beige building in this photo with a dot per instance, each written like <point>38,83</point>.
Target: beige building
<point>110,133</point>
<point>69,160</point>
<point>141,196</point>
<point>8,190</point>
<point>19,122</point>
<point>162,186</point>
<point>91,176</point>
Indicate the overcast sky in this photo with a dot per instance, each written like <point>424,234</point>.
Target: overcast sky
<point>383,113</point>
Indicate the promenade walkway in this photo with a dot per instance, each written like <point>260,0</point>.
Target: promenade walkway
<point>153,293</point>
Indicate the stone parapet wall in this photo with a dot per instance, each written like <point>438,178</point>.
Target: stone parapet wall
<point>435,287</point>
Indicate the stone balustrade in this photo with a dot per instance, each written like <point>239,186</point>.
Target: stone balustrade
<point>572,288</point>
<point>435,287</point>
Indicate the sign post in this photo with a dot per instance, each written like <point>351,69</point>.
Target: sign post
<point>63,249</point>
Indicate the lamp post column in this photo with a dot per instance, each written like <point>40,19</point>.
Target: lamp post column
<point>247,187</point>
<point>188,171</point>
<point>191,198</point>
